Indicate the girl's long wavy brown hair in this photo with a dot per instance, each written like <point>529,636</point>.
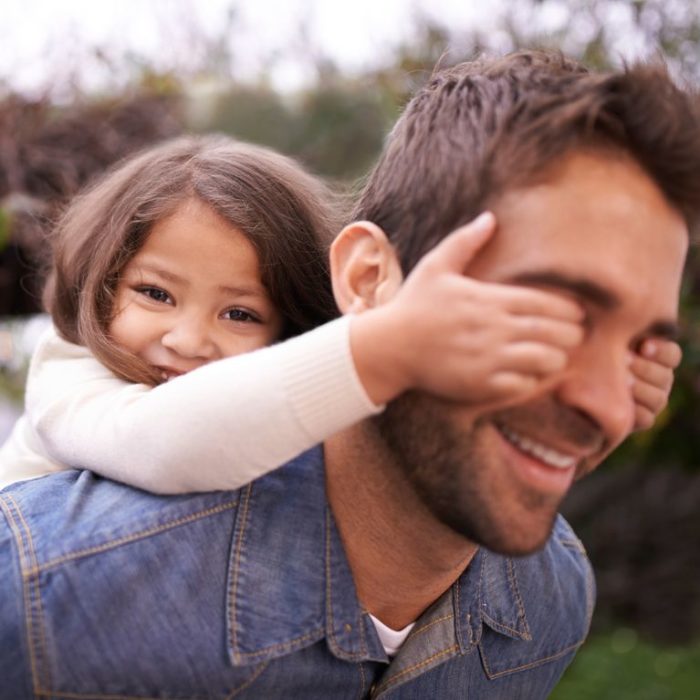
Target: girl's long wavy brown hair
<point>288,215</point>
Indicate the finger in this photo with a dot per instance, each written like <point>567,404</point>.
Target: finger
<point>650,397</point>
<point>506,385</point>
<point>552,331</point>
<point>536,359</point>
<point>643,418</point>
<point>651,373</point>
<point>506,388</point>
<point>458,249</point>
<point>665,352</point>
<point>526,301</point>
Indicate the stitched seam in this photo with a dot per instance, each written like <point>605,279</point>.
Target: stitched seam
<point>92,696</point>
<point>521,607</point>
<point>363,680</point>
<point>249,682</point>
<point>280,645</point>
<point>499,626</point>
<point>394,679</point>
<point>35,594</point>
<point>532,664</point>
<point>457,607</point>
<point>329,602</point>
<point>135,537</point>
<point>329,605</point>
<point>479,605</point>
<point>574,544</point>
<point>590,596</point>
<point>420,630</point>
<point>233,641</point>
<point>363,639</point>
<point>16,531</point>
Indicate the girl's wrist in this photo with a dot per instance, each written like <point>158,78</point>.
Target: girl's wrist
<point>377,350</point>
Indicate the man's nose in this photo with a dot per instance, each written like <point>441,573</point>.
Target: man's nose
<point>598,383</point>
<point>190,337</point>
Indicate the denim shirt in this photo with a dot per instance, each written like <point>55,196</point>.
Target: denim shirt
<point>109,592</point>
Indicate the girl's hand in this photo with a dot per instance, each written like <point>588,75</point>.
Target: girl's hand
<point>462,339</point>
<point>652,374</point>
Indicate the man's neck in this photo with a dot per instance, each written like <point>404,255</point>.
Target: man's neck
<point>401,557</point>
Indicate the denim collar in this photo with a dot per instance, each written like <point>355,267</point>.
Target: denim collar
<point>290,584</point>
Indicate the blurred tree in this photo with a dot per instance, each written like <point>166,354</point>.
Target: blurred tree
<point>339,127</point>
<point>46,155</point>
<point>252,113</point>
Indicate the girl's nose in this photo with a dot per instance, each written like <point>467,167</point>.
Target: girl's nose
<point>190,338</point>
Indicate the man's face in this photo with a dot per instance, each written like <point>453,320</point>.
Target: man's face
<point>601,232</point>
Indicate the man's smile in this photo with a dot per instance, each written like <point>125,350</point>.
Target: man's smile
<point>548,455</point>
<point>547,446</point>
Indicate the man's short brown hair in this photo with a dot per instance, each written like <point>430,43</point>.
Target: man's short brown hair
<point>482,127</point>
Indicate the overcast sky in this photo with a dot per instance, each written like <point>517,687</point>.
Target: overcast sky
<point>46,41</point>
<point>40,37</point>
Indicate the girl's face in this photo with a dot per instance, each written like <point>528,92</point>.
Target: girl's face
<point>192,294</point>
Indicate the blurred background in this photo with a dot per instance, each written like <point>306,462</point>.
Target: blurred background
<point>83,83</point>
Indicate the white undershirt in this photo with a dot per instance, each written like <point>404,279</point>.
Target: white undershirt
<point>391,639</point>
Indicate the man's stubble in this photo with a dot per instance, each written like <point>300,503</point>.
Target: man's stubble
<point>454,468</point>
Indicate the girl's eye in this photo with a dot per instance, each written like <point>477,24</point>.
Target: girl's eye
<point>155,293</point>
<point>240,315</point>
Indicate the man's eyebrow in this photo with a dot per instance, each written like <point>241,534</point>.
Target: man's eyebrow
<point>663,329</point>
<point>587,290</point>
<point>583,289</point>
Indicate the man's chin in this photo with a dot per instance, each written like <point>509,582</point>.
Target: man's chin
<point>515,545</point>
<point>511,534</point>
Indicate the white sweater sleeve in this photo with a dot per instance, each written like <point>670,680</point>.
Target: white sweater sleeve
<point>217,427</point>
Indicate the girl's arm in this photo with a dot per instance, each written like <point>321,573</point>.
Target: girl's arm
<point>217,427</point>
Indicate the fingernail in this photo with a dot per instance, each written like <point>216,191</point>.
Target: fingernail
<point>484,220</point>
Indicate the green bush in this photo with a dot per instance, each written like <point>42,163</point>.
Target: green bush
<point>620,666</point>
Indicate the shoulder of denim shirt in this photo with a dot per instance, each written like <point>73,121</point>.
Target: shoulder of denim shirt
<point>545,599</point>
<point>76,511</point>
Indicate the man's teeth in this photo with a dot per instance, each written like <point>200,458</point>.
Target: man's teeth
<point>537,449</point>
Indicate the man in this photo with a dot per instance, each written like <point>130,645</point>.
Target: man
<point>436,520</point>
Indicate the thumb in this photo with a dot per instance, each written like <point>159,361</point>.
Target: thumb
<point>460,247</point>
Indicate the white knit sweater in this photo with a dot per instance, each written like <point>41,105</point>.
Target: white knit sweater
<point>217,427</point>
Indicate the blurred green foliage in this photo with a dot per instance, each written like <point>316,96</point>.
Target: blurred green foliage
<point>5,221</point>
<point>619,666</point>
<point>336,128</point>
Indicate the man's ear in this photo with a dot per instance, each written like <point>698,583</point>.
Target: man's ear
<point>365,270</point>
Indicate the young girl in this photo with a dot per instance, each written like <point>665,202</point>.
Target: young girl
<point>204,249</point>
